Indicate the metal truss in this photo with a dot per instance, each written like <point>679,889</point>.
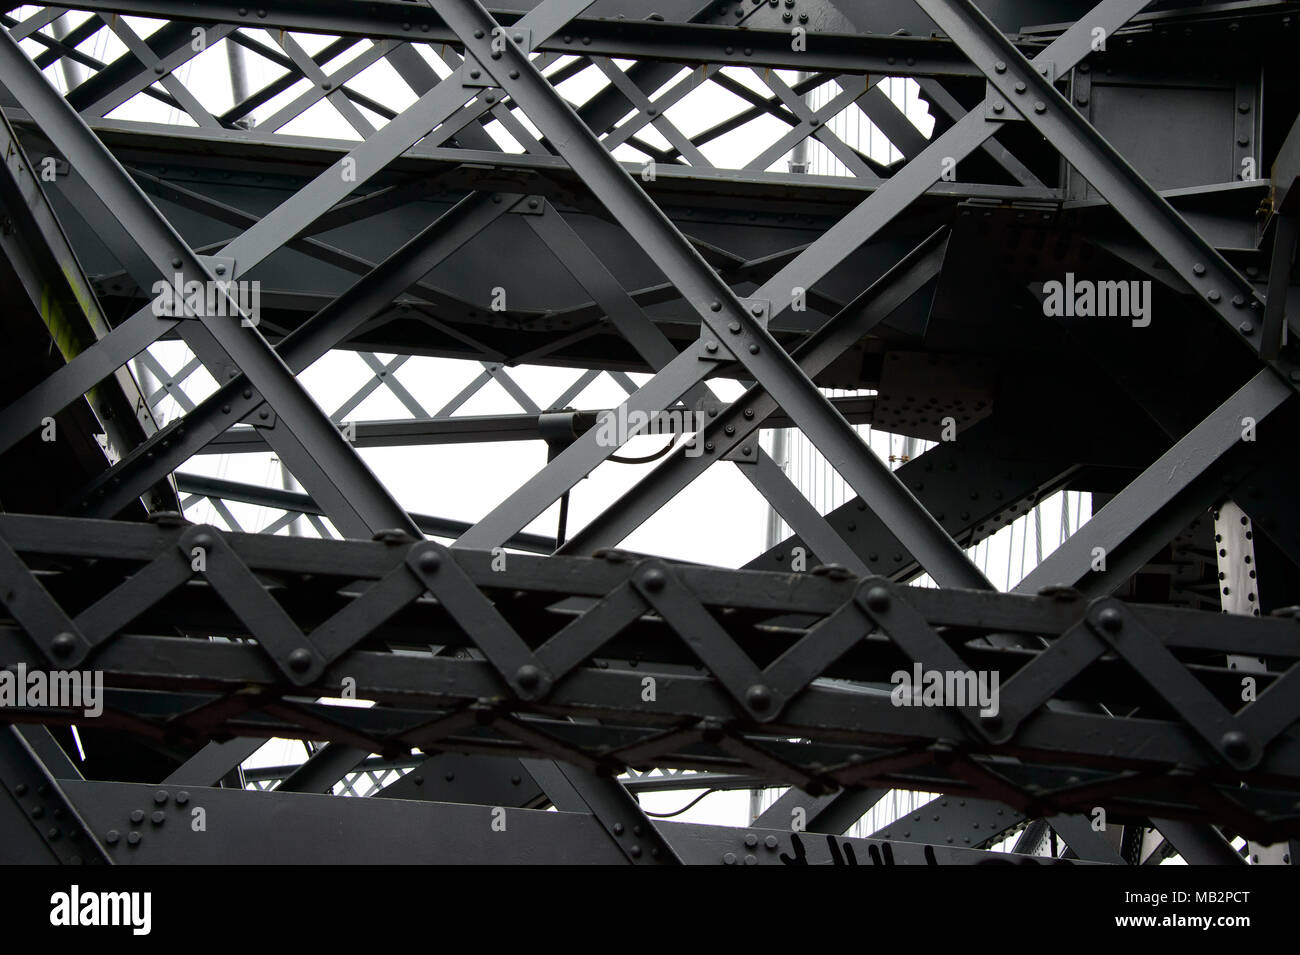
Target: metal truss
<point>482,210</point>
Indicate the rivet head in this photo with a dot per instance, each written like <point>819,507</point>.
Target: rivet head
<point>878,599</point>
<point>300,660</point>
<point>158,817</point>
<point>1000,66</point>
<point>756,310</point>
<point>182,798</point>
<point>133,838</point>
<point>1235,744</point>
<point>715,306</point>
<point>160,797</point>
<point>1111,620</point>
<point>137,815</point>
<point>63,645</point>
<point>112,836</point>
<point>429,561</point>
<point>528,676</point>
<point>653,579</point>
<point>759,698</point>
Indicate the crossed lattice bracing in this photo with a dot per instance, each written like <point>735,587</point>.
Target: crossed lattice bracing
<point>578,143</point>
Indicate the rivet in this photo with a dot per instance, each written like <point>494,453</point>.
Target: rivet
<point>878,599</point>
<point>63,645</point>
<point>1235,744</point>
